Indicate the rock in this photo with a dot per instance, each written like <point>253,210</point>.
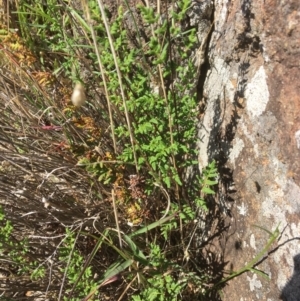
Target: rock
<point>251,127</point>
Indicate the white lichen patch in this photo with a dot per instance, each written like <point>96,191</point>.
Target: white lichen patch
<point>252,241</point>
<point>230,89</point>
<point>292,191</point>
<point>238,145</point>
<point>223,11</point>
<point>217,79</point>
<point>297,137</point>
<point>270,207</point>
<point>294,229</point>
<point>256,151</point>
<point>257,93</point>
<point>213,88</point>
<point>254,283</point>
<point>250,136</point>
<point>243,209</point>
<point>283,199</point>
<point>265,52</point>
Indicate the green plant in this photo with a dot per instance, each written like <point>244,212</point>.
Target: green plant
<point>74,261</point>
<point>136,143</point>
<point>158,125</point>
<point>16,251</point>
<point>250,267</point>
<point>161,285</point>
<point>50,34</point>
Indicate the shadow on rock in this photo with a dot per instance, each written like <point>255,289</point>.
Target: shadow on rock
<point>291,291</point>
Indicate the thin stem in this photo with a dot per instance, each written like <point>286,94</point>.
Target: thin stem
<point>251,264</point>
<point>120,82</point>
<point>116,217</point>
<point>103,77</point>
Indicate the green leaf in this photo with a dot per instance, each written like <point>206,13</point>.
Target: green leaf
<point>117,268</point>
<point>258,272</point>
<point>210,182</point>
<point>177,179</point>
<point>167,181</point>
<point>207,190</point>
<point>153,225</point>
<point>137,253</point>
